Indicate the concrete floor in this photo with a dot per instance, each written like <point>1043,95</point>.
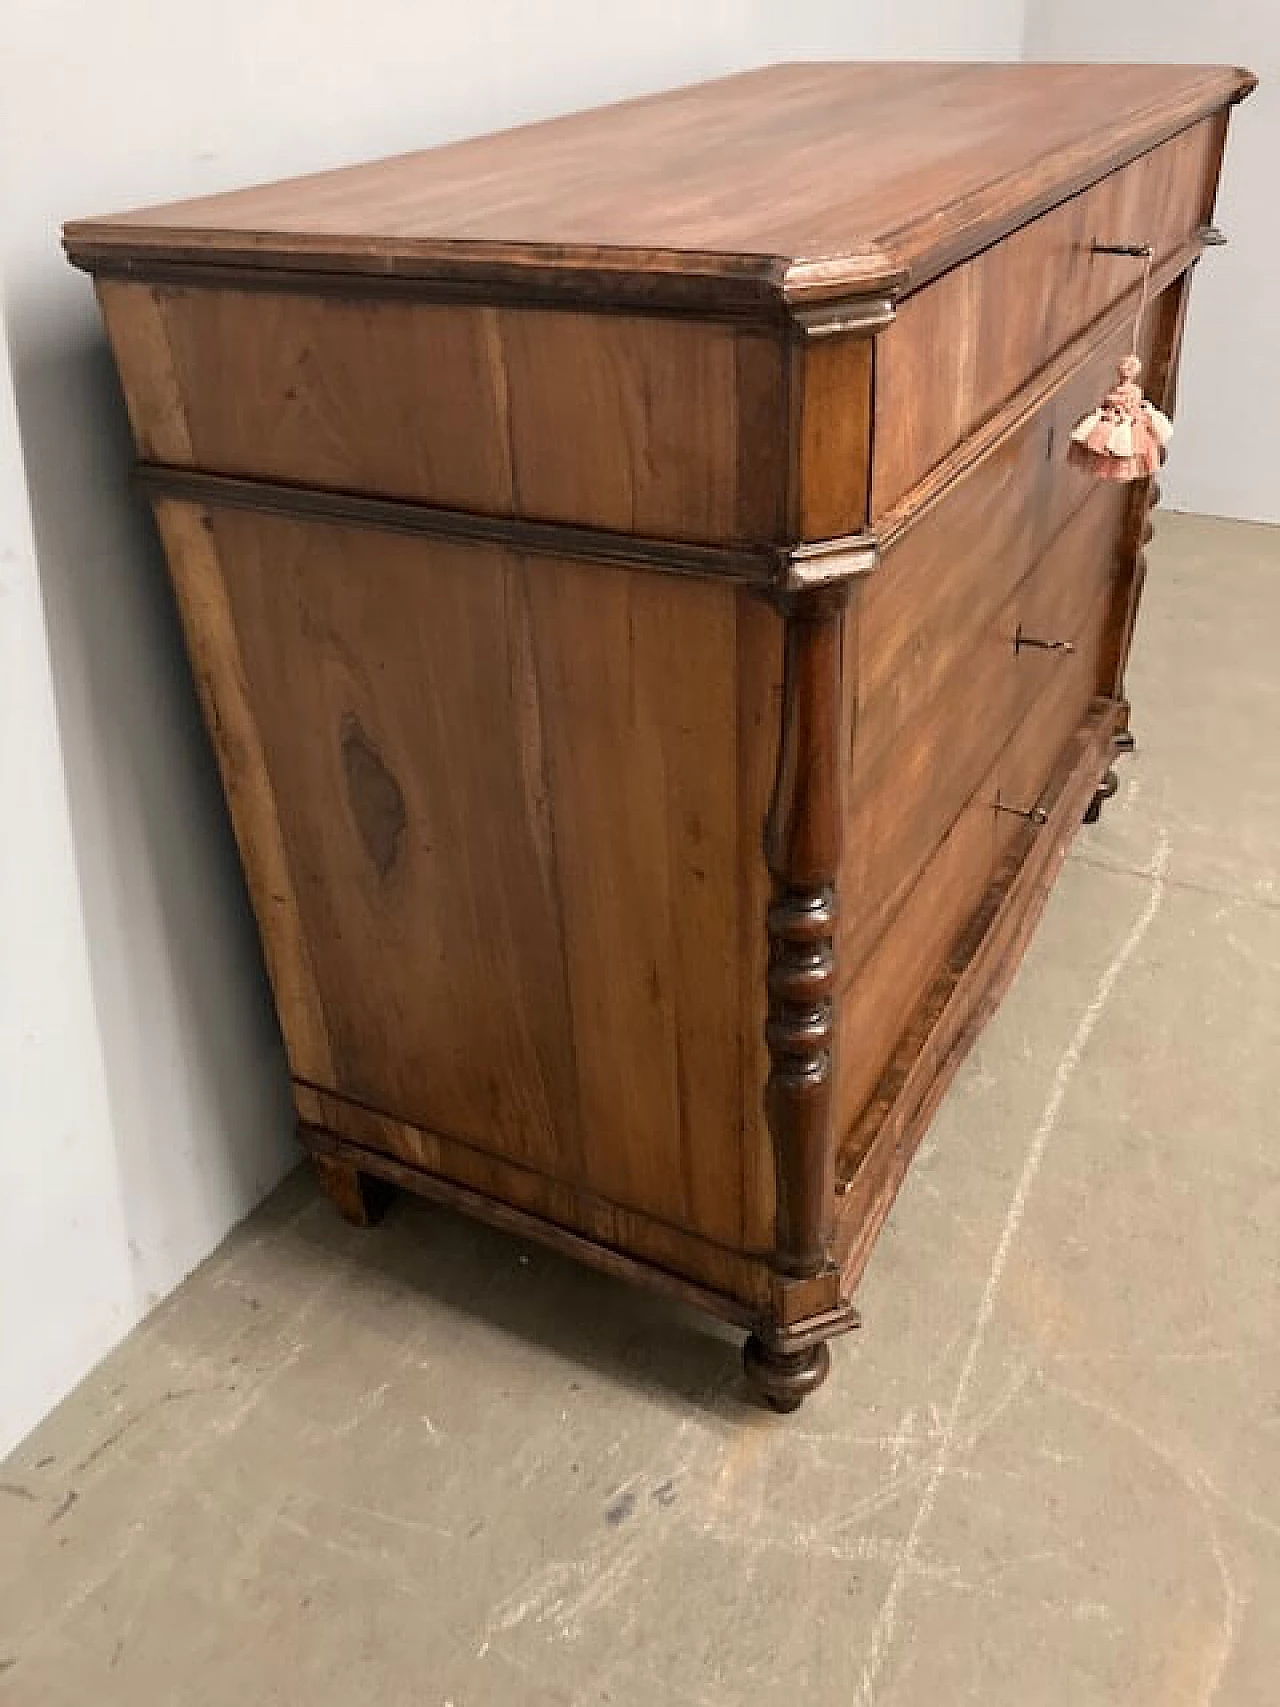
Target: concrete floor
<point>430,1465</point>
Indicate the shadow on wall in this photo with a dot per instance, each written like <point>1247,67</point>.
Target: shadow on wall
<point>194,1069</point>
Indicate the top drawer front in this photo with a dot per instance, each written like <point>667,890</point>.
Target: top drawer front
<point>649,426</point>
<point>961,347</point>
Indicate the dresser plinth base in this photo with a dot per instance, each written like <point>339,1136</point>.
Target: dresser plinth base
<point>785,1360</point>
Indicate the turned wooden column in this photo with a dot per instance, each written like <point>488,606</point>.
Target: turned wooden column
<point>802,846</point>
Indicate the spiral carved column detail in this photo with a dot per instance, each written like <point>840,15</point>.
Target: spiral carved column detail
<point>798,1097</point>
<point>802,845</point>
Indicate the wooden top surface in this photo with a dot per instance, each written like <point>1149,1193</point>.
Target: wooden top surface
<point>815,180</point>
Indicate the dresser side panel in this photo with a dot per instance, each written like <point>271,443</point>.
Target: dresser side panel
<point>521,817</point>
<point>637,676</point>
<point>138,331</point>
<point>222,681</point>
<point>393,686</point>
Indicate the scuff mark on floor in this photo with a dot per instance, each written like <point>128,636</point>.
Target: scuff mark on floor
<point>885,1626</point>
<point>63,1506</point>
<point>1204,1496</point>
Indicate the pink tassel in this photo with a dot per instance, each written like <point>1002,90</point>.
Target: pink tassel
<point>1125,437</point>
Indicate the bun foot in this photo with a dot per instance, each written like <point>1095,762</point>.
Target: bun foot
<point>359,1198</point>
<point>1106,788</point>
<point>785,1379</point>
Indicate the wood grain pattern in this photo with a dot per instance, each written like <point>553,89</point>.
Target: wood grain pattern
<point>901,965</point>
<point>1050,387</point>
<point>627,666</point>
<point>833,378</point>
<point>637,424</point>
<point>775,180</point>
<point>139,333</point>
<point>1053,718</point>
<point>516,940</point>
<point>217,661</point>
<point>941,583</point>
<point>650,427</point>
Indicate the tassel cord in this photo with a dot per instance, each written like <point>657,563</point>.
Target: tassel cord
<point>1147,264</point>
<point>1125,437</point>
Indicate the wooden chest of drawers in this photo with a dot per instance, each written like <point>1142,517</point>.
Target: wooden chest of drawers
<point>655,646</point>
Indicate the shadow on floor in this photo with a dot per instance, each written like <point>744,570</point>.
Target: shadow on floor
<point>510,1285</point>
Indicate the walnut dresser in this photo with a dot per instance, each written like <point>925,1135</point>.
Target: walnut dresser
<point>656,647</point>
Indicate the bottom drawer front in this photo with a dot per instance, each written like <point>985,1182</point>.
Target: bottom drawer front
<point>901,812</point>
<point>878,1001</point>
<point>878,1144</point>
<point>1051,720</point>
<point>881,995</point>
